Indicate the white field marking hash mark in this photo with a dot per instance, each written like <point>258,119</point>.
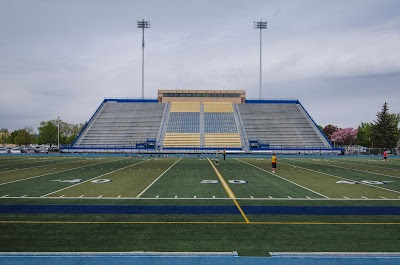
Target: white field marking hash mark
<point>285,179</point>
<point>151,184</point>
<point>92,179</point>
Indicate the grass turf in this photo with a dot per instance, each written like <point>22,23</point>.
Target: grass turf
<point>217,232</point>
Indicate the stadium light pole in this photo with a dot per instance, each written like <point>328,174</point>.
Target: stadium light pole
<point>260,25</point>
<point>143,25</point>
<point>58,133</point>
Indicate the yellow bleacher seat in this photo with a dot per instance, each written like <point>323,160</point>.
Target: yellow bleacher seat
<point>185,107</point>
<point>222,140</point>
<point>182,140</point>
<point>218,107</point>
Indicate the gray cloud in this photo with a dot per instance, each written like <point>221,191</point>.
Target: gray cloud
<point>62,58</point>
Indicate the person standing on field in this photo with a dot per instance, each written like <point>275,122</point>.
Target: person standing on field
<point>273,162</point>
<point>217,158</point>
<point>224,153</point>
<point>384,156</point>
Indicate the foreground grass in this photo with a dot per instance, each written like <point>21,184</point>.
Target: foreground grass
<point>247,239</point>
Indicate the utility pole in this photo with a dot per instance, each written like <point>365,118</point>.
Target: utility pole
<point>142,25</point>
<point>260,25</point>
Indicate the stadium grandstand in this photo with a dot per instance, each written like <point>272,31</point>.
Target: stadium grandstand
<point>201,121</point>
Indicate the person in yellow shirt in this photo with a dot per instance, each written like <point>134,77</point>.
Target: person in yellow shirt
<point>273,161</point>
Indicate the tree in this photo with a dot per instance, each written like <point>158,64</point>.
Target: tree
<point>364,134</point>
<point>22,136</point>
<point>347,136</point>
<point>4,136</point>
<point>12,136</point>
<point>70,139</point>
<point>48,133</point>
<point>385,131</point>
<point>329,130</point>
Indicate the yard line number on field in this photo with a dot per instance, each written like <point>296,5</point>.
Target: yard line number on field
<point>369,172</point>
<point>94,178</point>
<point>319,172</point>
<point>229,191</point>
<point>56,172</point>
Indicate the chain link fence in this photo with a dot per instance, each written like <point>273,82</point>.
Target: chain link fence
<point>359,150</point>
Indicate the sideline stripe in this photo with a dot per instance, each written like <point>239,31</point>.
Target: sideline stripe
<point>276,175</point>
<point>199,223</point>
<point>93,178</point>
<point>140,194</point>
<point>229,191</point>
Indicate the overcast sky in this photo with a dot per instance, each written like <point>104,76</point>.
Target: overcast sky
<point>340,58</point>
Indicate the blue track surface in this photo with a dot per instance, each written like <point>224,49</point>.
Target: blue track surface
<point>110,259</point>
<point>126,209</point>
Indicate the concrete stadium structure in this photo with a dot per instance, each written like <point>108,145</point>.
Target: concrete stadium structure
<point>201,121</point>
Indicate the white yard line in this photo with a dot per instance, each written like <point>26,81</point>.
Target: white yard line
<point>284,179</point>
<point>341,178</point>
<point>172,198</point>
<point>56,172</point>
<point>363,171</point>
<point>28,162</point>
<point>151,184</point>
<point>92,178</point>
<point>364,164</point>
<point>35,167</point>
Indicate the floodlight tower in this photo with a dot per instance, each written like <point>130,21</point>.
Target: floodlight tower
<point>260,25</point>
<point>143,25</point>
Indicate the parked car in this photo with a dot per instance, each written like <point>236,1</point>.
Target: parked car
<point>4,151</point>
<point>41,150</point>
<point>53,149</point>
<point>27,150</point>
<point>15,150</point>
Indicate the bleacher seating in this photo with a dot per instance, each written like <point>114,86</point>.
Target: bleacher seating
<point>280,125</point>
<point>218,107</point>
<point>220,122</point>
<point>184,122</point>
<point>186,140</point>
<point>202,125</point>
<point>185,107</point>
<point>183,125</point>
<point>123,124</point>
<point>222,140</point>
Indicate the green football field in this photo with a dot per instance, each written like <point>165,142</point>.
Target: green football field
<point>120,203</point>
